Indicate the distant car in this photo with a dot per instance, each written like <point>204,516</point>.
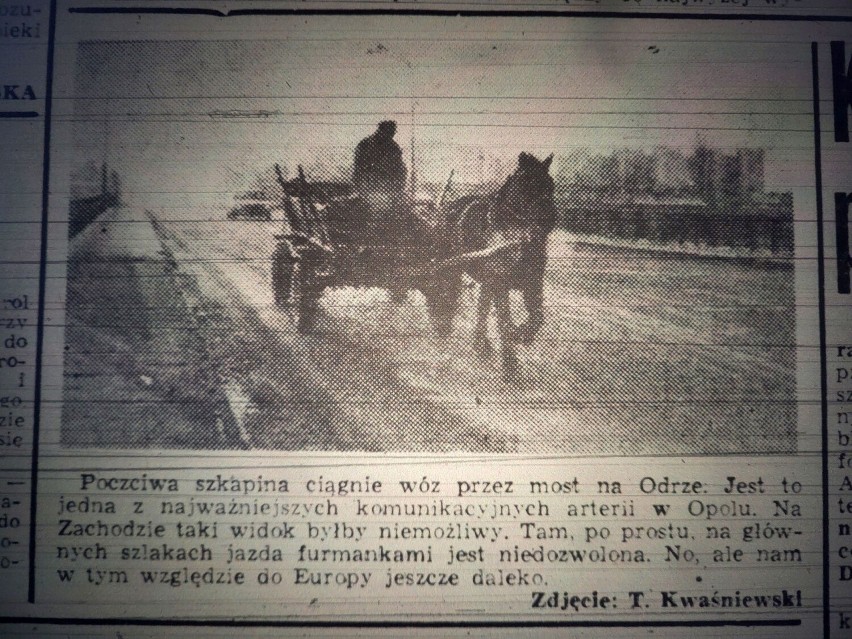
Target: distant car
<point>258,210</point>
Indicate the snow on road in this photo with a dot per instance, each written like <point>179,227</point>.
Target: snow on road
<point>642,352</point>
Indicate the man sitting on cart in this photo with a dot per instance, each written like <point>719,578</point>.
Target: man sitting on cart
<point>379,174</point>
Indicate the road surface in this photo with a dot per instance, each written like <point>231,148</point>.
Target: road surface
<point>641,353</point>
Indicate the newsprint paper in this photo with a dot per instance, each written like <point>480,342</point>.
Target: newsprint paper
<point>434,319</point>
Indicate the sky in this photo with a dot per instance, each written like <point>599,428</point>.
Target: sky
<point>197,118</point>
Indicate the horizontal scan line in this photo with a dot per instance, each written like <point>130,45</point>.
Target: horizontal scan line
<point>246,623</point>
<point>400,96</point>
<point>464,13</point>
<point>18,114</point>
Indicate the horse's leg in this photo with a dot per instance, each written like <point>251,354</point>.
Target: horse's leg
<point>534,303</point>
<point>532,290</point>
<point>442,299</point>
<point>480,338</point>
<point>511,369</point>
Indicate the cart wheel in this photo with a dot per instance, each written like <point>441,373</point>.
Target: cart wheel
<point>295,288</point>
<point>283,265</point>
<point>304,294</point>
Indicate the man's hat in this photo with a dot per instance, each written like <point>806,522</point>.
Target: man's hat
<point>387,127</point>
<point>526,161</point>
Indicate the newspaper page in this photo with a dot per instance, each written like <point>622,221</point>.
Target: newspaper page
<point>433,319</point>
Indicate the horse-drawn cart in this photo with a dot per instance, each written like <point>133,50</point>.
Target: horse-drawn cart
<point>335,238</point>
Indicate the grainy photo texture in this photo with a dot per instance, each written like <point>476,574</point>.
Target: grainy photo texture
<point>421,244</point>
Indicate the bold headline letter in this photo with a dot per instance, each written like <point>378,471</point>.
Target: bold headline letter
<point>841,228</point>
<point>841,74</point>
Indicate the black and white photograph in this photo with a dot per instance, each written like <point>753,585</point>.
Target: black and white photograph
<point>415,238</point>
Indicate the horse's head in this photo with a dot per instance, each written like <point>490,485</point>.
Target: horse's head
<point>528,195</point>
<point>533,176</point>
<point>528,162</point>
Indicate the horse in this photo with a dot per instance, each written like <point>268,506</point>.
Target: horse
<point>502,240</point>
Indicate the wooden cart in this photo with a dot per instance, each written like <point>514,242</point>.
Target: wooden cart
<point>334,238</point>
